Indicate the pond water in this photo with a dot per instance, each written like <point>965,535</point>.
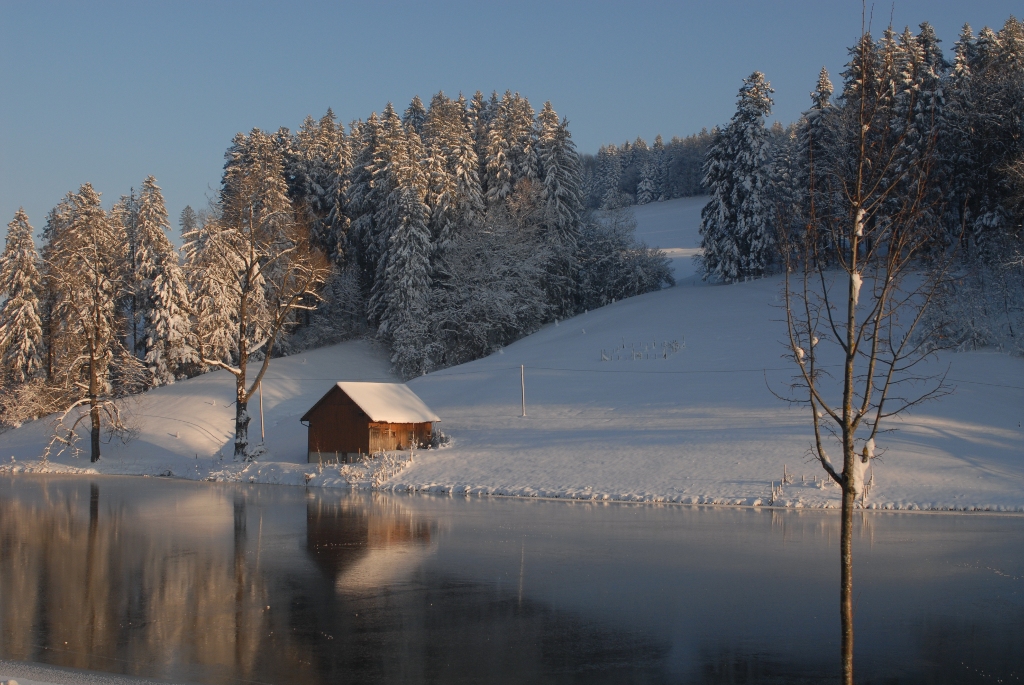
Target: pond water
<point>208,583</point>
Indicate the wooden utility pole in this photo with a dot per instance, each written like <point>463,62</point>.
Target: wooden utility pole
<point>263,432</point>
<point>522,381</point>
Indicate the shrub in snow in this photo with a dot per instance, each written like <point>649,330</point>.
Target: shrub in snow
<point>614,264</point>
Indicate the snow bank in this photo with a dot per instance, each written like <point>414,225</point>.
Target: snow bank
<point>699,426</point>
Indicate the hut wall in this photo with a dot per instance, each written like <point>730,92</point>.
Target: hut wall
<point>337,426</point>
<point>398,436</point>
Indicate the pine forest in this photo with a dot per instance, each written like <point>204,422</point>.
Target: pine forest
<point>444,232</point>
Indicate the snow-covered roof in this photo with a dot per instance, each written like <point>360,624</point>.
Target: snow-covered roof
<point>390,402</point>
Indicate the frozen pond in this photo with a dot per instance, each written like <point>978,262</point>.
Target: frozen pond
<point>206,583</point>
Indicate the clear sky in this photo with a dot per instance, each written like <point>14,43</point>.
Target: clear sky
<point>110,92</point>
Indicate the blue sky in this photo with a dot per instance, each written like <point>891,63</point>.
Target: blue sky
<point>110,92</point>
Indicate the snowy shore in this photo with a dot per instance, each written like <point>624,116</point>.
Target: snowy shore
<point>664,397</point>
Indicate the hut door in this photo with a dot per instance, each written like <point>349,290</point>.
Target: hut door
<point>376,443</point>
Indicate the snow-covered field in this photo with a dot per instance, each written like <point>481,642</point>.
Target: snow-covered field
<point>680,410</point>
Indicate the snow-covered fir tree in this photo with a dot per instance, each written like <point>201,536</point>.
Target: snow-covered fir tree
<point>609,170</point>
<point>367,192</point>
<point>736,233</point>
<point>403,289</point>
<point>805,192</point>
<point>479,113</point>
<point>21,284</point>
<point>511,150</point>
<point>403,321</point>
<point>661,168</point>
<point>160,289</point>
<point>84,271</point>
<point>391,166</point>
<point>208,278</point>
<point>983,99</point>
<point>318,173</point>
<point>562,198</point>
<point>646,189</point>
<point>455,195</point>
<point>415,115</point>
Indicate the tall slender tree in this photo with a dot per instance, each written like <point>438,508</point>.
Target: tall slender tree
<point>274,269</point>
<point>85,273</point>
<point>737,239</point>
<point>21,326</point>
<point>562,200</point>
<point>415,115</point>
<point>161,290</point>
<point>857,300</point>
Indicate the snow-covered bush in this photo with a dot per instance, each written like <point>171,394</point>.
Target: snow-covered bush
<point>491,295</point>
<point>981,306</point>
<point>614,264</point>
<point>340,316</point>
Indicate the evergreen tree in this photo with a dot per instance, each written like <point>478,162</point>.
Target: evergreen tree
<point>984,93</point>
<point>161,289</point>
<point>392,166</point>
<point>208,278</point>
<point>660,170</point>
<point>737,236</point>
<point>415,115</point>
<point>609,169</point>
<point>454,192</point>
<point>318,172</point>
<point>479,114</point>
<point>403,288</point>
<point>646,189</point>
<point>124,215</point>
<point>511,148</point>
<point>366,192</point>
<point>562,200</point>
<point>85,273</point>
<point>58,220</point>
<point>21,326</point>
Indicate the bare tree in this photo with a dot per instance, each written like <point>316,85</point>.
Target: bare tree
<point>272,270</point>
<point>856,286</point>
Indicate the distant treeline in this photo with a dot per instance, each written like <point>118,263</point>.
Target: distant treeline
<point>635,174</point>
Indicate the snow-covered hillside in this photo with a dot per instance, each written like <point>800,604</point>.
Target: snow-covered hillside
<point>662,397</point>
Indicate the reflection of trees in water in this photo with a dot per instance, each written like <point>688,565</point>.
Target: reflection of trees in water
<point>105,571</point>
<point>88,588</point>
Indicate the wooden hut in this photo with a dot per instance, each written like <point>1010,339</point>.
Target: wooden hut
<point>353,419</point>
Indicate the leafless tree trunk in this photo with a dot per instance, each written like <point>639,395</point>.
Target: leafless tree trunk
<point>274,270</point>
<point>856,289</point>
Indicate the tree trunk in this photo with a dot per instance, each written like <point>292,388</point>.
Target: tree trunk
<point>242,419</point>
<point>846,583</point>
<point>94,416</point>
<point>94,406</point>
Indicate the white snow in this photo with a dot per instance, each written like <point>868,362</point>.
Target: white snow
<point>392,402</point>
<point>697,426</point>
<point>856,281</point>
